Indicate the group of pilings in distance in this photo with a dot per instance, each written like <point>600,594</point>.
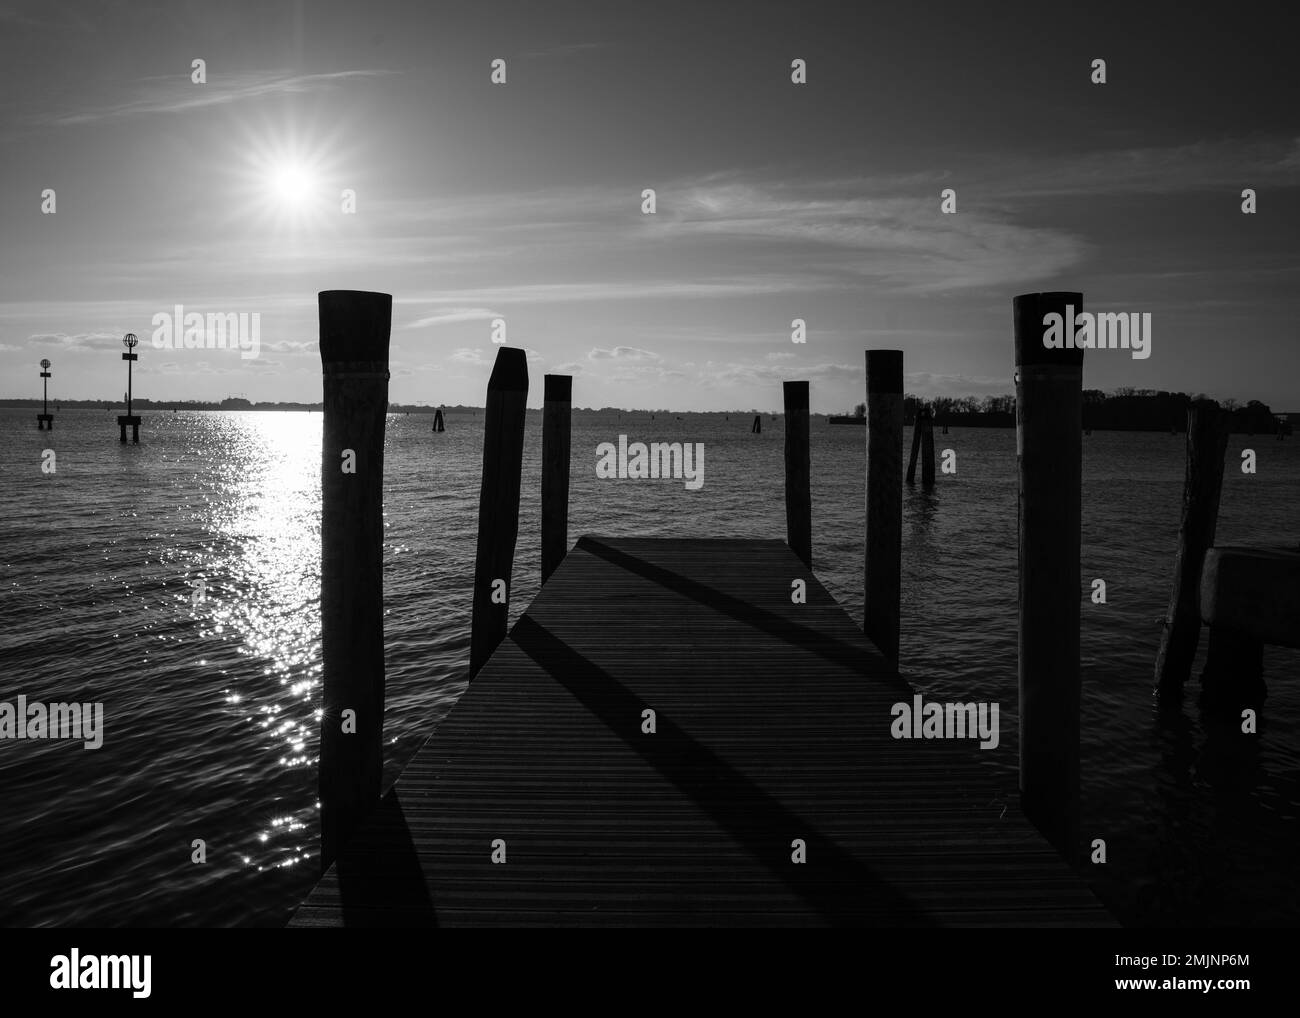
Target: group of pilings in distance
<point>354,336</point>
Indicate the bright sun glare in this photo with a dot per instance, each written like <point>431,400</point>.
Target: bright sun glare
<point>291,183</point>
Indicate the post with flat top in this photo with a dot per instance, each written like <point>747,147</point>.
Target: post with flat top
<point>884,554</point>
<point>498,505</point>
<point>798,490</point>
<point>354,334</point>
<point>557,414</point>
<point>1049,448</point>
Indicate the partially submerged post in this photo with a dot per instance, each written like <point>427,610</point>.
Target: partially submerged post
<point>557,414</point>
<point>498,505</point>
<point>129,341</point>
<point>916,447</point>
<point>354,333</point>
<point>1207,443</point>
<point>756,428</point>
<point>438,424</point>
<point>798,491</point>
<point>922,442</point>
<point>45,417</point>
<point>927,449</point>
<point>1049,442</point>
<point>884,552</point>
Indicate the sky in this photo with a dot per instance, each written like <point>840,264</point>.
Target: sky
<point>523,201</point>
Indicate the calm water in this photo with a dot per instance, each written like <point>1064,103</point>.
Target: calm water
<point>210,717</point>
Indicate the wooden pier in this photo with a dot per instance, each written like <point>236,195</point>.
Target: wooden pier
<point>771,740</point>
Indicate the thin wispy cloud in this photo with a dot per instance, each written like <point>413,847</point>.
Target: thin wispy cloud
<point>451,315</point>
<point>177,94</point>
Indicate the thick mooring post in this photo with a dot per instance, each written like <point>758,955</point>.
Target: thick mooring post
<point>129,341</point>
<point>557,414</point>
<point>798,489</point>
<point>438,423</point>
<point>884,555</point>
<point>354,332</point>
<point>1207,443</point>
<point>756,428</point>
<point>45,417</point>
<point>498,505</point>
<point>1049,445</point>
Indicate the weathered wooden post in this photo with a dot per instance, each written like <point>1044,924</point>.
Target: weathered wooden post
<point>129,341</point>
<point>498,505</point>
<point>884,553</point>
<point>354,332</point>
<point>557,414</point>
<point>1049,445</point>
<point>927,449</point>
<point>916,447</point>
<point>438,423</point>
<point>756,428</point>
<point>922,442</point>
<point>798,489</point>
<point>1207,443</point>
<point>45,417</point>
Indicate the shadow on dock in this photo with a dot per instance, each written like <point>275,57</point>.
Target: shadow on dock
<point>386,886</point>
<point>843,891</point>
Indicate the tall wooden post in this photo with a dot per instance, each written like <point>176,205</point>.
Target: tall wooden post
<point>498,505</point>
<point>798,489</point>
<point>354,332</point>
<point>557,414</point>
<point>1207,443</point>
<point>884,554</point>
<point>1049,446</point>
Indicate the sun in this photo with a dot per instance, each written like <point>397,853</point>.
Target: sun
<point>291,171</point>
<point>292,184</point>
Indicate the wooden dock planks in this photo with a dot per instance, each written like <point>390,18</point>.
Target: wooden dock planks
<point>772,725</point>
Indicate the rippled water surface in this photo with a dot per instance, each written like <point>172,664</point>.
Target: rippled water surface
<point>210,705</point>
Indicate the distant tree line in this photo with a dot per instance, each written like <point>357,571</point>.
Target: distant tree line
<point>1126,409</point>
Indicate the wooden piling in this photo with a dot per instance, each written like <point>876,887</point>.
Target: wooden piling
<point>498,507</point>
<point>923,443</point>
<point>927,450</point>
<point>755,429</point>
<point>557,414</point>
<point>798,489</point>
<point>916,448</point>
<point>1049,445</point>
<point>1207,443</point>
<point>438,423</point>
<point>354,334</point>
<point>884,551</point>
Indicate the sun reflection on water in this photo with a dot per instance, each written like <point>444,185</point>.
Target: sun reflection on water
<point>263,590</point>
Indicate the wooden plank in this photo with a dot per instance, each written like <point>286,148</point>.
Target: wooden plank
<point>772,725</point>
